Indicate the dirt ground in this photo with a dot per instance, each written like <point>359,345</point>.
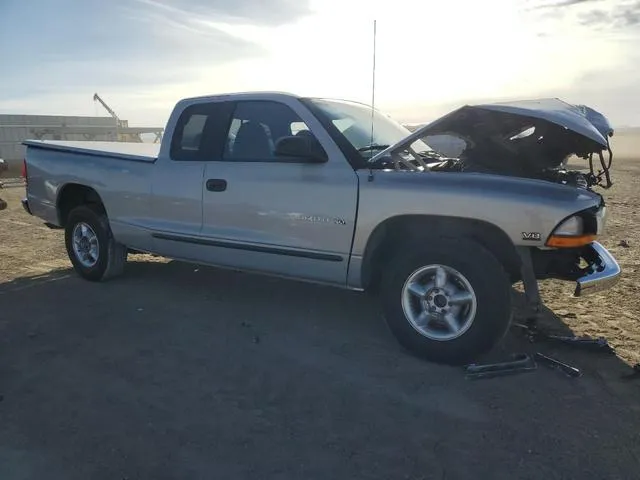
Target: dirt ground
<point>180,371</point>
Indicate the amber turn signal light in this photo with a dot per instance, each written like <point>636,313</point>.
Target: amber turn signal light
<point>562,241</point>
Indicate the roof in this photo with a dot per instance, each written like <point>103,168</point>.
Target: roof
<point>219,96</point>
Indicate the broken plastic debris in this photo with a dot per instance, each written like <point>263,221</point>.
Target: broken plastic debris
<point>517,363</point>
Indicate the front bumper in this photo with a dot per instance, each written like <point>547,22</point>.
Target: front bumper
<point>603,271</point>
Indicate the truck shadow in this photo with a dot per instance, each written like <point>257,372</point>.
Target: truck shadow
<point>24,283</point>
<point>264,305</point>
<point>214,357</point>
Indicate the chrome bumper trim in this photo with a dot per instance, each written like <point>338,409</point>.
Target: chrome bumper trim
<point>604,271</point>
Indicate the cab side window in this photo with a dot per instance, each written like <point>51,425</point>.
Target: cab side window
<point>256,127</point>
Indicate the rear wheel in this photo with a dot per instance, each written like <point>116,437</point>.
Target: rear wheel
<point>93,251</point>
<point>447,301</point>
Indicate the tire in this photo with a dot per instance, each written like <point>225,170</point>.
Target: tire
<point>484,316</point>
<point>103,263</point>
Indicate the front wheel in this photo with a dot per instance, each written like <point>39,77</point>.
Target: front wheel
<point>446,301</point>
<point>93,251</point>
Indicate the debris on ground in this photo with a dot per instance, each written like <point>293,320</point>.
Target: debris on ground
<point>519,363</point>
<point>523,362</point>
<point>624,244</point>
<point>556,364</point>
<point>534,334</point>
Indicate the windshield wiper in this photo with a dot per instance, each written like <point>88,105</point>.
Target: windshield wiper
<point>373,146</point>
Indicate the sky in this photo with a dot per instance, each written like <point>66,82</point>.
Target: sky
<point>142,56</point>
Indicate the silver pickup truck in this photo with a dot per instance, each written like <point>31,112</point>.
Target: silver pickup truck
<point>307,188</point>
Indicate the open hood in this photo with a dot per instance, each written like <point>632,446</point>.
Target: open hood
<point>520,137</point>
<point>501,118</point>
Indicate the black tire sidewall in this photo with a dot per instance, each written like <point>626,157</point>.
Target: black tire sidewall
<point>94,219</point>
<point>488,280</point>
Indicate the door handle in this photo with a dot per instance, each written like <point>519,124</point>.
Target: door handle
<point>216,185</point>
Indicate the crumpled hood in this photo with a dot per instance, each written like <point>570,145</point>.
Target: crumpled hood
<point>585,129</point>
<point>523,137</point>
<point>580,119</point>
<point>532,133</point>
<point>580,128</point>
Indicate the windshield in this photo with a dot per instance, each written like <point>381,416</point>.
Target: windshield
<point>353,120</point>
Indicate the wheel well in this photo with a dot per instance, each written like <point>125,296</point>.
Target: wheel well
<point>396,231</point>
<point>73,195</point>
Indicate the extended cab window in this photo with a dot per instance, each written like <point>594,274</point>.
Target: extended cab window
<point>200,131</point>
<point>192,132</point>
<point>256,127</point>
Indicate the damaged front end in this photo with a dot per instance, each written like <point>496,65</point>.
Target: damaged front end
<point>591,267</point>
<point>530,139</point>
<point>571,253</point>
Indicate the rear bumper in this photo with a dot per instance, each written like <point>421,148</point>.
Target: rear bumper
<point>603,271</point>
<point>25,205</point>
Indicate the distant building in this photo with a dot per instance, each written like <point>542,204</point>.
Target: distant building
<point>14,129</point>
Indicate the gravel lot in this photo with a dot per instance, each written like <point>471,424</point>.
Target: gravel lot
<point>181,372</point>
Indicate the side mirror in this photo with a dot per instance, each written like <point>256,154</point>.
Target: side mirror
<point>302,149</point>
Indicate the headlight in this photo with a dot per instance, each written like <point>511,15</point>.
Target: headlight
<point>570,227</point>
<point>571,233</point>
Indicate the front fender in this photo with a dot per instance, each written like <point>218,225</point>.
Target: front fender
<point>524,211</point>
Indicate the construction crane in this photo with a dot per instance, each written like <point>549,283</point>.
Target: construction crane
<point>122,137</point>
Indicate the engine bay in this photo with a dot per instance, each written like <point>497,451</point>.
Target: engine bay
<point>530,139</point>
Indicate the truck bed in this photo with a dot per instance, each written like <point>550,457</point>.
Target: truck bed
<point>138,152</point>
